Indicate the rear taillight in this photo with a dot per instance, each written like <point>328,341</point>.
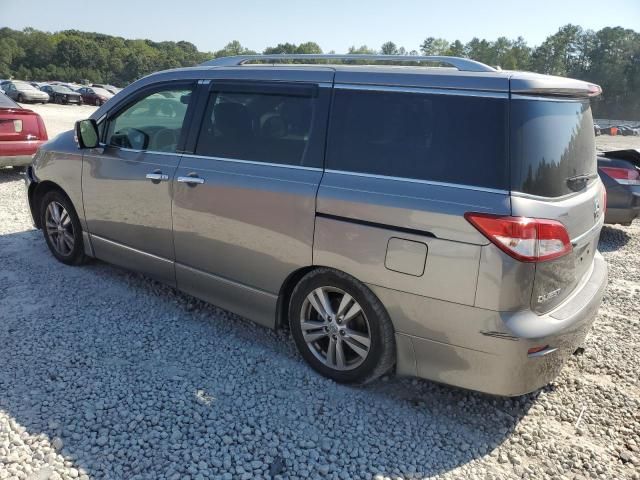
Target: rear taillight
<point>42,128</point>
<point>625,176</point>
<point>525,239</point>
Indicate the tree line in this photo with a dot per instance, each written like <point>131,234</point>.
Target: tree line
<point>609,57</point>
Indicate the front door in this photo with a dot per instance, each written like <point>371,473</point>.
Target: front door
<point>244,201</point>
<point>127,182</point>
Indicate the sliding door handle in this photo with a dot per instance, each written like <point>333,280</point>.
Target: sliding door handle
<point>157,177</point>
<point>191,180</point>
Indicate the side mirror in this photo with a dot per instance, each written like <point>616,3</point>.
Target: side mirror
<point>87,134</point>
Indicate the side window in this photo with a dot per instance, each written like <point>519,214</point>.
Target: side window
<point>153,123</point>
<point>445,138</point>
<point>262,127</point>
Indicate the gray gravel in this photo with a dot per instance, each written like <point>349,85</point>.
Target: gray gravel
<point>107,374</point>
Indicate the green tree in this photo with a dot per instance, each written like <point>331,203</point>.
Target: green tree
<point>434,46</point>
<point>389,48</point>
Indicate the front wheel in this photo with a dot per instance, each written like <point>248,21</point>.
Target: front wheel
<point>61,228</point>
<point>98,102</point>
<point>341,328</point>
<point>20,98</point>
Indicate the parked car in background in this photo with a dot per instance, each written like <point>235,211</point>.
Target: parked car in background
<point>109,88</point>
<point>628,130</point>
<point>95,95</point>
<point>620,172</point>
<point>62,94</point>
<point>24,92</point>
<point>22,132</point>
<point>477,268</point>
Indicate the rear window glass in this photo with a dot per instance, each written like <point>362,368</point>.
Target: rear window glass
<point>552,146</point>
<point>6,102</point>
<point>436,137</point>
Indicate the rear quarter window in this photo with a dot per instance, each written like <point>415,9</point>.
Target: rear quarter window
<point>460,139</point>
<point>552,142</point>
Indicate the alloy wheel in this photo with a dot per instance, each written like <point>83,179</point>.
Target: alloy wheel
<point>335,328</point>
<point>59,229</point>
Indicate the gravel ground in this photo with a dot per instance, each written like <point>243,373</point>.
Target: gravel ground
<point>607,142</point>
<point>107,374</point>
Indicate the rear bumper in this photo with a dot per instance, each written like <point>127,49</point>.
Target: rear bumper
<point>492,356</point>
<point>623,204</point>
<point>15,160</point>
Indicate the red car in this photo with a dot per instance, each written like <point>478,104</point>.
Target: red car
<point>22,131</point>
<point>94,95</point>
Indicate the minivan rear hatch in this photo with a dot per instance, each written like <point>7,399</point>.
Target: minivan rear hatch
<point>554,175</point>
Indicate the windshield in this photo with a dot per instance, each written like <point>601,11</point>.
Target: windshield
<point>62,89</point>
<point>552,146</point>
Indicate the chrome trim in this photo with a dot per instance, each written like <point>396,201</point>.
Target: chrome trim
<point>251,162</point>
<point>153,152</point>
<point>425,182</point>
<point>542,353</point>
<point>157,176</point>
<point>191,180</point>
<point>550,98</point>
<point>426,91</point>
<point>135,250</point>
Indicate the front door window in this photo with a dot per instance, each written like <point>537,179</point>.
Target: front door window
<point>152,124</point>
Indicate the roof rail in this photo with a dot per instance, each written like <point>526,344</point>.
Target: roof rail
<point>462,64</point>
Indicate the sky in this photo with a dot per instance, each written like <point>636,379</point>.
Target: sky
<point>333,24</point>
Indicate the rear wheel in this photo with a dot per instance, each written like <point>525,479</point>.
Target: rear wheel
<point>20,98</point>
<point>61,228</point>
<point>341,328</point>
<point>98,102</point>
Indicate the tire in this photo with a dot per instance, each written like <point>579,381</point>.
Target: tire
<point>63,252</point>
<point>20,98</point>
<point>372,318</point>
<point>98,102</point>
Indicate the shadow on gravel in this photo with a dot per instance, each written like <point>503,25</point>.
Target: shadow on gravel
<point>137,380</point>
<point>612,239</point>
<point>9,175</point>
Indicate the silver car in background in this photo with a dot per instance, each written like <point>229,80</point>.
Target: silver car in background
<point>435,222</point>
<point>24,92</point>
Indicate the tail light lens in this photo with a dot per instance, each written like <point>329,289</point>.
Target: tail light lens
<point>625,176</point>
<point>525,239</point>
<point>42,128</point>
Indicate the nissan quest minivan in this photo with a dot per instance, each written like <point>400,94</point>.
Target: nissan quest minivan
<point>440,222</point>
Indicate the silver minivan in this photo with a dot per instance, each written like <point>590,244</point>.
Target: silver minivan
<point>437,221</point>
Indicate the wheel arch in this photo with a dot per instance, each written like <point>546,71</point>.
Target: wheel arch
<point>36,193</point>
<point>284,295</point>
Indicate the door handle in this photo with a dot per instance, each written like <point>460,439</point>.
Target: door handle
<point>191,180</point>
<point>157,176</point>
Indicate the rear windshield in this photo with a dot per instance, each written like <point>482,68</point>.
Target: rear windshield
<point>552,147</point>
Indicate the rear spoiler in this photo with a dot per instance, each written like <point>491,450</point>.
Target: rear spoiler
<point>630,155</point>
<point>525,83</point>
